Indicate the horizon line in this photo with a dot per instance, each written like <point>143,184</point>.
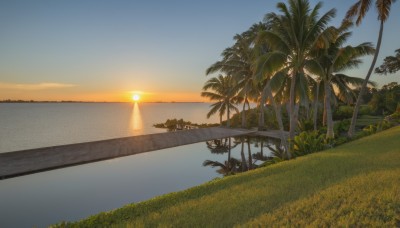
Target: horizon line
<point>74,101</point>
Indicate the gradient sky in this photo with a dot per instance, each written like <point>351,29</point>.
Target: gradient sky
<point>96,50</point>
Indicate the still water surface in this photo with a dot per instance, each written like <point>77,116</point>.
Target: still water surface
<point>76,192</point>
<point>32,125</point>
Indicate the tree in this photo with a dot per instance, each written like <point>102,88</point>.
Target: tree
<point>237,62</point>
<point>358,11</point>
<point>223,91</point>
<point>330,62</point>
<point>293,37</point>
<point>391,64</point>
<point>386,99</point>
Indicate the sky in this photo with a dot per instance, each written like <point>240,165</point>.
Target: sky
<point>97,50</point>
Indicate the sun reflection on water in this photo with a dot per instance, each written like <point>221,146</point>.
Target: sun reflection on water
<point>136,119</point>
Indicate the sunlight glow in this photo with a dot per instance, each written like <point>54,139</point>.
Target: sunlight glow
<point>135,97</point>
<point>136,120</point>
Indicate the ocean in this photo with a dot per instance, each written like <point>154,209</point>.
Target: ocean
<point>73,193</point>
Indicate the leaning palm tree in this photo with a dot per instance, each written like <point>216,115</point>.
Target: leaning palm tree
<point>331,62</point>
<point>223,91</point>
<point>237,61</point>
<point>391,64</point>
<point>293,36</point>
<point>358,11</point>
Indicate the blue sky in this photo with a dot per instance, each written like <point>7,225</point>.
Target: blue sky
<point>102,50</point>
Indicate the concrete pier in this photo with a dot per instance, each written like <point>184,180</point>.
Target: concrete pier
<point>24,162</point>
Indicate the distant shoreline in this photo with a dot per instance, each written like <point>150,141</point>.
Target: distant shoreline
<point>32,101</point>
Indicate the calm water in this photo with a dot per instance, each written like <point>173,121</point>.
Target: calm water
<point>76,192</point>
<point>26,126</point>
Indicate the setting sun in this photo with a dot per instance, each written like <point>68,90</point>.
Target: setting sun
<point>135,97</point>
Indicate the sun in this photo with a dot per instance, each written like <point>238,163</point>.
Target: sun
<point>135,97</point>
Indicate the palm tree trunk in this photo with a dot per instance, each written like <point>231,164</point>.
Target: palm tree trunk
<point>262,149</point>
<point>329,133</point>
<point>324,115</point>
<point>350,133</point>
<point>244,166</point>
<point>228,124</point>
<point>292,112</point>
<point>249,152</point>
<point>316,107</point>
<point>278,118</point>
<point>244,113</point>
<point>261,118</point>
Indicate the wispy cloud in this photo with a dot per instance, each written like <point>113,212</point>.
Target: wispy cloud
<point>36,86</point>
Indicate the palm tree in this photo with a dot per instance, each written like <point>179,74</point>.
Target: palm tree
<point>277,83</point>
<point>293,36</point>
<point>223,91</point>
<point>391,64</point>
<point>333,60</point>
<point>237,61</point>
<point>358,11</point>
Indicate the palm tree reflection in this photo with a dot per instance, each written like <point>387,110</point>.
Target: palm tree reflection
<point>221,146</point>
<point>253,160</point>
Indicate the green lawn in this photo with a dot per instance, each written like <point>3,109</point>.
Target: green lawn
<point>356,184</point>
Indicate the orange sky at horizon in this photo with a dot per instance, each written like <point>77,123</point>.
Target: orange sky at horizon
<point>70,94</point>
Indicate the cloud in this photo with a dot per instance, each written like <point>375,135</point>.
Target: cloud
<point>37,86</point>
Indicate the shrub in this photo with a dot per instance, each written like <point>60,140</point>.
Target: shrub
<point>343,112</point>
<point>341,126</point>
<point>365,110</point>
<point>340,140</point>
<point>308,142</point>
<point>306,125</point>
<point>370,129</point>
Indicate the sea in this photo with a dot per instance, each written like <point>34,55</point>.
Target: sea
<point>74,193</point>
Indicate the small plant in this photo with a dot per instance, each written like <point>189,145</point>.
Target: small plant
<point>370,129</point>
<point>340,140</point>
<point>308,142</point>
<point>306,125</point>
<point>341,126</point>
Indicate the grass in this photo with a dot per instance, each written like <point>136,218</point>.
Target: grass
<point>355,184</point>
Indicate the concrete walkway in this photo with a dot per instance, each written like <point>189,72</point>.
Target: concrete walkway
<point>24,162</point>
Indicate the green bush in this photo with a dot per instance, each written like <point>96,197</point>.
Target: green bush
<point>308,142</point>
<point>365,110</point>
<point>306,125</point>
<point>341,126</point>
<point>343,112</point>
<point>340,140</point>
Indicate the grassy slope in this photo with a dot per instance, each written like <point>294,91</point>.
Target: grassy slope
<point>353,184</point>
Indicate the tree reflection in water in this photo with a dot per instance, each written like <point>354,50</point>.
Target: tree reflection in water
<point>253,160</point>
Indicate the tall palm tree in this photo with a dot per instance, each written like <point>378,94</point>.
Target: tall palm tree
<point>224,93</point>
<point>333,60</point>
<point>391,64</point>
<point>293,36</point>
<point>237,61</point>
<point>358,12</point>
<point>276,82</point>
